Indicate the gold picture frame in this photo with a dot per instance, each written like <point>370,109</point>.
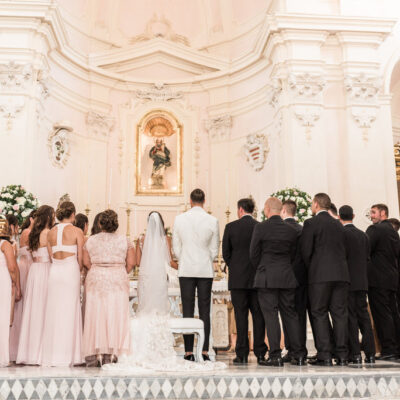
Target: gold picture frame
<point>159,155</point>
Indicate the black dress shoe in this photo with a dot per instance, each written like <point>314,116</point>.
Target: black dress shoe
<point>342,362</point>
<point>272,362</point>
<point>388,357</point>
<point>287,358</point>
<point>300,361</point>
<point>206,357</point>
<point>313,357</point>
<point>369,359</point>
<point>240,360</point>
<point>356,359</point>
<point>189,357</point>
<point>260,360</point>
<point>321,363</point>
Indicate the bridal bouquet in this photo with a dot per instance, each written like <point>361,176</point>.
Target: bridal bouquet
<point>14,199</point>
<point>302,200</point>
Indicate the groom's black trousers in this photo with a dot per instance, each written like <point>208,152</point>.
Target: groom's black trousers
<point>188,295</point>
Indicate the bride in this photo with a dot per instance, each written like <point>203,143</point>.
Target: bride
<point>152,343</point>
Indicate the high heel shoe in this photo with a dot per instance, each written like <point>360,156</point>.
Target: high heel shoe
<point>99,360</point>
<point>114,359</point>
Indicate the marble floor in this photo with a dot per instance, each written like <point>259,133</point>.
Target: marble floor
<point>378,381</point>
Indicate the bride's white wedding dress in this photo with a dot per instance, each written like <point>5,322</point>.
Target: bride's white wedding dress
<point>152,343</point>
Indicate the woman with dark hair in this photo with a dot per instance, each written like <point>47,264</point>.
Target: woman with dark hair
<point>109,257</point>
<point>82,222</point>
<point>24,263</point>
<point>30,339</point>
<point>172,265</point>
<point>96,227</point>
<point>62,332</point>
<point>14,230</point>
<point>8,280</point>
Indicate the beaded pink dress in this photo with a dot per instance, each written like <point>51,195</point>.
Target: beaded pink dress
<point>62,332</point>
<point>30,339</point>
<point>106,327</point>
<point>24,263</point>
<point>5,310</point>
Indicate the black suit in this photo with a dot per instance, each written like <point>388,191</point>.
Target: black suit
<point>272,251</point>
<point>301,297</point>
<point>383,277</point>
<point>357,259</point>
<point>324,253</point>
<point>236,253</point>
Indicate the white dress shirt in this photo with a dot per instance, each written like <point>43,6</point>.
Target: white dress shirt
<point>195,240</point>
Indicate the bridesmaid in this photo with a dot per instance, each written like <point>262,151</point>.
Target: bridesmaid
<point>109,258</point>
<point>8,279</point>
<point>62,332</point>
<point>33,315</point>
<point>24,263</point>
<point>96,227</point>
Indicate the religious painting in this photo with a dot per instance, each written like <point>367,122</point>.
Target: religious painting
<point>159,155</point>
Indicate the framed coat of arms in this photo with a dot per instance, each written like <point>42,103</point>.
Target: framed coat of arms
<point>159,155</point>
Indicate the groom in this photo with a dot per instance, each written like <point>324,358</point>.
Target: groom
<point>195,242</point>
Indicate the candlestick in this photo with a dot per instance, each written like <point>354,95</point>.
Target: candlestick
<point>128,227</point>
<point>227,213</point>
<point>209,210</point>
<point>219,262</point>
<point>87,210</point>
<point>109,190</point>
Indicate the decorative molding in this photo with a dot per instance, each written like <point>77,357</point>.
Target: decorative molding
<point>196,155</point>
<point>219,128</point>
<point>305,84</point>
<point>10,108</point>
<point>58,144</point>
<point>308,116</point>
<point>158,92</point>
<point>14,76</point>
<point>159,27</point>
<point>256,150</point>
<point>100,124</point>
<point>364,117</point>
<point>362,87</point>
<point>275,92</point>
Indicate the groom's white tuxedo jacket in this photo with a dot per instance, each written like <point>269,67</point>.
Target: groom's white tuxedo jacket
<point>195,241</point>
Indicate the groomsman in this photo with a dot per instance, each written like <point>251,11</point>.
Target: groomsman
<point>236,253</point>
<point>272,251</point>
<point>357,260</point>
<point>195,241</point>
<point>383,278</point>
<point>288,213</point>
<point>323,247</point>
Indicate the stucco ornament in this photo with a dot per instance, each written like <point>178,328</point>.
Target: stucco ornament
<point>58,144</point>
<point>256,150</point>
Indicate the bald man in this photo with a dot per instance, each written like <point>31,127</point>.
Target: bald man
<point>272,252</point>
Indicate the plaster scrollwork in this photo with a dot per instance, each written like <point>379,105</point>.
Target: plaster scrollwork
<point>100,124</point>
<point>58,144</point>
<point>275,92</point>
<point>256,150</point>
<point>158,92</point>
<point>308,116</point>
<point>364,117</point>
<point>14,76</point>
<point>362,87</point>
<point>10,108</point>
<point>306,85</point>
<point>219,128</point>
<point>196,151</point>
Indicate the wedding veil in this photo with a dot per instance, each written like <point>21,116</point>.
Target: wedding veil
<point>152,284</point>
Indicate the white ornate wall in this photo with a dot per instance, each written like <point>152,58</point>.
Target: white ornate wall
<point>316,87</point>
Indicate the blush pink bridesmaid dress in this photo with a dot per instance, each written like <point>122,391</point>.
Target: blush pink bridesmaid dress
<point>62,333</point>
<point>5,310</point>
<point>24,263</point>
<point>30,339</point>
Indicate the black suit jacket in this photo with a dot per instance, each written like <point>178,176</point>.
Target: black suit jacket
<point>382,268</point>
<point>357,245</point>
<point>236,252</point>
<point>272,251</point>
<point>323,246</point>
<point>300,270</point>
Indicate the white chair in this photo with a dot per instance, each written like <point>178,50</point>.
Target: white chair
<point>188,326</point>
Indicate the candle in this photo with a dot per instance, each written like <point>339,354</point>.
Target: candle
<point>109,191</point>
<point>129,184</point>
<point>88,187</point>
<point>135,218</point>
<point>227,188</point>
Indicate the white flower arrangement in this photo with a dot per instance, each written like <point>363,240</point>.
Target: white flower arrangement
<point>302,199</point>
<point>14,199</point>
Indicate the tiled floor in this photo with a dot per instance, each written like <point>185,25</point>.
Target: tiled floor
<point>236,382</point>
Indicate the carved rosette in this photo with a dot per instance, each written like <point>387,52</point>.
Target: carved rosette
<point>158,92</point>
<point>100,124</point>
<point>256,150</point>
<point>306,85</point>
<point>219,128</point>
<point>10,108</point>
<point>196,154</point>
<point>14,76</point>
<point>58,144</point>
